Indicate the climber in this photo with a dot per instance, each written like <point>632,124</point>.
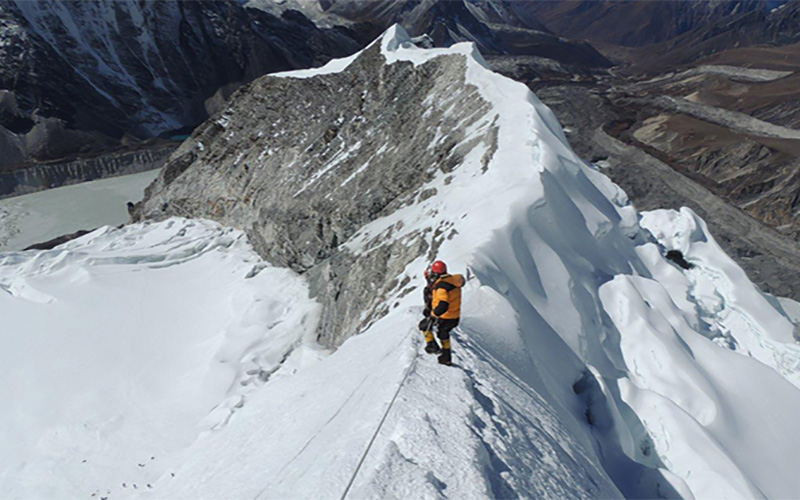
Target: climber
<point>445,309</point>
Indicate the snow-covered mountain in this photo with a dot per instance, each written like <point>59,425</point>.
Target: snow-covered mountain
<point>166,359</point>
<point>496,27</point>
<point>88,73</point>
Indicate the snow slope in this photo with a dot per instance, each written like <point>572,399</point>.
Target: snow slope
<point>39,217</point>
<point>121,347</point>
<point>588,366</point>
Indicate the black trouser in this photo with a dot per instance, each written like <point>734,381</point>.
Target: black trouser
<point>443,327</point>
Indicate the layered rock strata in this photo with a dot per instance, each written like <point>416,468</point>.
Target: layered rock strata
<point>301,164</point>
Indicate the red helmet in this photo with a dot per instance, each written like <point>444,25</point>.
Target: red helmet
<point>439,267</point>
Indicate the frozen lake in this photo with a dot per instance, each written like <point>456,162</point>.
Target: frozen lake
<point>38,217</point>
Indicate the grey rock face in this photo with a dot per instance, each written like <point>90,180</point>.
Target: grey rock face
<point>302,164</point>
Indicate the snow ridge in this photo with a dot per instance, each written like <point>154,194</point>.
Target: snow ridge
<point>136,341</point>
<point>562,287</point>
<point>588,365</point>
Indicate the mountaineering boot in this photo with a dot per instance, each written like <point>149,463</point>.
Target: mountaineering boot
<point>444,357</point>
<point>432,347</point>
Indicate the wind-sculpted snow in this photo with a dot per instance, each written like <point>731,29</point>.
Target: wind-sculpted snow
<point>587,364</point>
<point>121,347</point>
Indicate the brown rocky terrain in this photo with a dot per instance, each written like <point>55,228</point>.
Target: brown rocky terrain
<point>718,136</point>
<point>658,35</point>
<point>728,128</point>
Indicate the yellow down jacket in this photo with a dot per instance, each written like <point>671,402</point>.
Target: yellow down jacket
<point>447,296</point>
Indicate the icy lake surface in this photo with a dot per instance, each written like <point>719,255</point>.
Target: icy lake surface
<point>38,217</point>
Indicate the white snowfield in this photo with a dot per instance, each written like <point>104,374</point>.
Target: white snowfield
<point>117,346</point>
<point>165,360</point>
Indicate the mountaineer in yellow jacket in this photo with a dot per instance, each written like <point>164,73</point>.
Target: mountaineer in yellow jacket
<point>445,311</point>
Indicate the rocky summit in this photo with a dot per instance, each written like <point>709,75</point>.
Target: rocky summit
<point>300,161</point>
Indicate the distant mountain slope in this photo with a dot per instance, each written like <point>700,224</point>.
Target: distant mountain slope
<point>634,23</point>
<point>758,27</point>
<point>670,32</point>
<point>496,27</point>
<point>91,73</point>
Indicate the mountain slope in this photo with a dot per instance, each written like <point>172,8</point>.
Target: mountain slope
<point>588,365</point>
<point>635,23</point>
<point>565,287</point>
<point>497,28</point>
<point>91,74</point>
<point>656,36</point>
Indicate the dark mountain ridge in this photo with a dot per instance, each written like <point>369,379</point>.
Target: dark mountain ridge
<point>95,75</point>
<point>496,27</point>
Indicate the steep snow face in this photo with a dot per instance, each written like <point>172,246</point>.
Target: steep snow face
<point>726,345</point>
<point>123,346</point>
<point>588,365</point>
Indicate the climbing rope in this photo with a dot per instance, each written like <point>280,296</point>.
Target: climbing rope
<point>380,426</point>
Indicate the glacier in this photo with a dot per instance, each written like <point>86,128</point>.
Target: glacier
<point>168,359</point>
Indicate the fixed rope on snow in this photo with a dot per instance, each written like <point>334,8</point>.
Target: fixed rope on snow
<point>378,430</point>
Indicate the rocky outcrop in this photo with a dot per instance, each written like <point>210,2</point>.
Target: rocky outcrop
<point>46,176</point>
<point>301,164</point>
